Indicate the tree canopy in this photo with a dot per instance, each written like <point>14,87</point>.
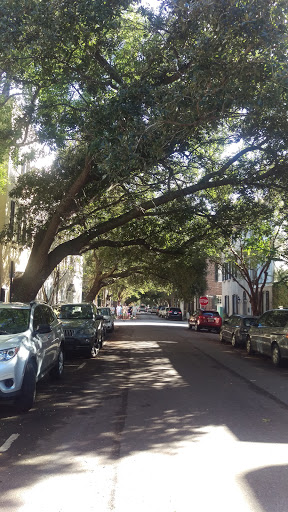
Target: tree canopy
<point>142,108</point>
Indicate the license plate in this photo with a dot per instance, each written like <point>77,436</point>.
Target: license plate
<point>210,319</point>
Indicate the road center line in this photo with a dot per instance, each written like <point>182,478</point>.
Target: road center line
<point>8,443</point>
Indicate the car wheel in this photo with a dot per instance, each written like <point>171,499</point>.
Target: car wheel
<point>276,355</point>
<point>197,327</point>
<point>189,326</point>
<point>57,371</point>
<point>94,350</point>
<point>249,349</point>
<point>25,400</point>
<point>101,339</point>
<point>233,340</point>
<point>221,337</point>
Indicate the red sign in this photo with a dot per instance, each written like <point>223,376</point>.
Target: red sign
<point>203,301</point>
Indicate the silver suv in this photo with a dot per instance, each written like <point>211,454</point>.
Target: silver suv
<point>270,335</point>
<point>108,318</point>
<point>31,345</point>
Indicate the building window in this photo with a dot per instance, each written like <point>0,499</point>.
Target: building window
<point>267,307</point>
<point>216,269</point>
<point>244,303</point>
<point>2,295</point>
<point>12,216</point>
<point>235,304</point>
<point>226,307</point>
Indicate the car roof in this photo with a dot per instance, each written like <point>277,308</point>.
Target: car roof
<point>77,304</point>
<point>14,305</point>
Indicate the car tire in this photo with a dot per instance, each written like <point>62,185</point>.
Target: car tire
<point>57,371</point>
<point>249,349</point>
<point>101,339</point>
<point>197,328</point>
<point>94,350</point>
<point>189,326</point>
<point>221,337</point>
<point>233,340</point>
<point>25,400</point>
<point>276,355</point>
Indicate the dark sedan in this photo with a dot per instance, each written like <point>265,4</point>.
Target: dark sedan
<point>235,329</point>
<point>173,314</point>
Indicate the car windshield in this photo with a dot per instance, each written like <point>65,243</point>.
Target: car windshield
<point>14,321</point>
<point>250,321</point>
<point>210,313</point>
<point>104,311</point>
<point>72,311</point>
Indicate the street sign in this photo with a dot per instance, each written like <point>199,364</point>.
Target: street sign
<point>203,301</point>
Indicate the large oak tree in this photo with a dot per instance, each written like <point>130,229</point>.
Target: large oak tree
<point>141,107</point>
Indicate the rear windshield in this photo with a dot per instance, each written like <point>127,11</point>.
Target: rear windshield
<point>14,321</point>
<point>210,313</point>
<point>175,309</point>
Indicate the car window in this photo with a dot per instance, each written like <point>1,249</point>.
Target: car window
<point>48,315</point>
<point>14,321</point>
<point>37,317</point>
<point>234,320</point>
<point>279,318</point>
<point>104,311</point>
<point>210,313</point>
<point>249,321</point>
<point>71,311</point>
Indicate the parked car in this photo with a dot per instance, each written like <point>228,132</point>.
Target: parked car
<point>161,311</point>
<point>142,308</point>
<point>235,329</point>
<point>83,328</point>
<point>269,335</point>
<point>154,309</point>
<point>205,319</point>
<point>31,345</point>
<point>173,314</point>
<point>108,318</point>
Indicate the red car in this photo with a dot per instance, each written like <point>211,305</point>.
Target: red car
<point>204,319</point>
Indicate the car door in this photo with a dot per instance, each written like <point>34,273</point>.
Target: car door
<point>42,341</point>
<point>55,337</point>
<point>262,333</point>
<point>227,329</point>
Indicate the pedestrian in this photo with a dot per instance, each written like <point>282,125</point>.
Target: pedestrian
<point>119,311</point>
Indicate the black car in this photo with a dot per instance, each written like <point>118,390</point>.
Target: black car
<point>83,328</point>
<point>173,314</point>
<point>235,329</point>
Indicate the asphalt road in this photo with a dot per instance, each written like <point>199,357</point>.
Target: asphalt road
<point>165,419</point>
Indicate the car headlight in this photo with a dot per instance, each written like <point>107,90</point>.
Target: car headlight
<point>86,332</point>
<point>8,353</point>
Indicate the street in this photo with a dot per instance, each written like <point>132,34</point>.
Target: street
<point>164,419</point>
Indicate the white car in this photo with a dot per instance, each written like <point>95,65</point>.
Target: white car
<point>108,318</point>
<point>31,345</point>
